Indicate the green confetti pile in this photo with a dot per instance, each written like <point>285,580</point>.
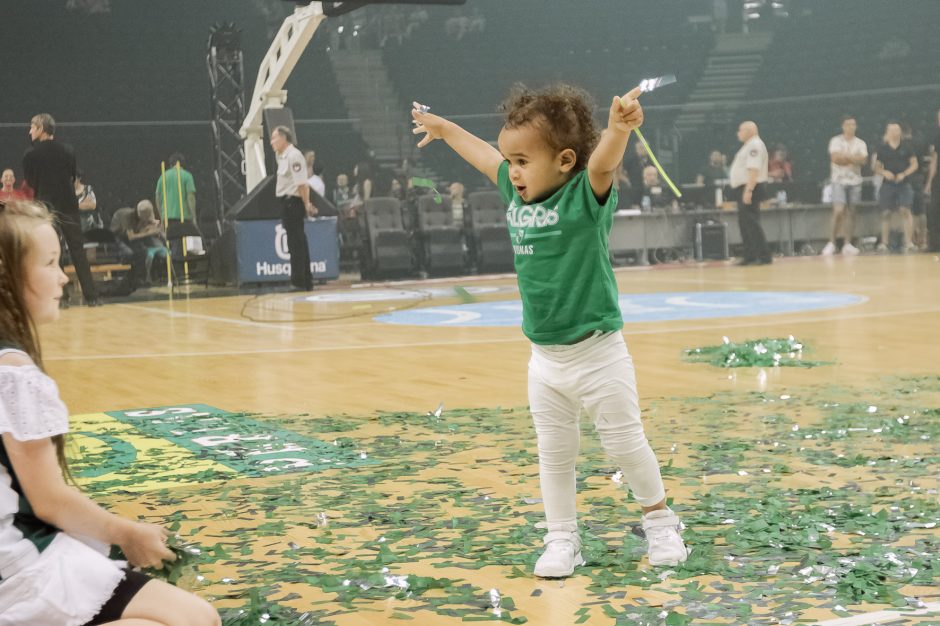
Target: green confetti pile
<point>259,611</point>
<point>757,353</point>
<point>824,498</point>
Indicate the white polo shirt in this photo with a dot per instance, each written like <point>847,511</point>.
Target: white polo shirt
<point>752,155</point>
<point>847,174</point>
<point>291,172</point>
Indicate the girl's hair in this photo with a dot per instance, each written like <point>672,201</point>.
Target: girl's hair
<point>18,220</point>
<point>561,113</point>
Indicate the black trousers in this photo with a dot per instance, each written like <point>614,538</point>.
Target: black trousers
<point>293,215</point>
<point>933,220</point>
<point>70,226</point>
<point>752,234</point>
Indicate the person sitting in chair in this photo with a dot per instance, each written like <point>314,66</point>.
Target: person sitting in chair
<point>143,232</point>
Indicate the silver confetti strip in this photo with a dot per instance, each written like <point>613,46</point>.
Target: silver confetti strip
<point>495,600</point>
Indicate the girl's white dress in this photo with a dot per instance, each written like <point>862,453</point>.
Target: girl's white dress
<point>62,582</point>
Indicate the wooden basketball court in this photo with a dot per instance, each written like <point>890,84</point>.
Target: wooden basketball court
<point>298,442</point>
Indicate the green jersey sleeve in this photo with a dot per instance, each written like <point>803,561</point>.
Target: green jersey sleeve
<point>503,183</point>
<point>594,208</point>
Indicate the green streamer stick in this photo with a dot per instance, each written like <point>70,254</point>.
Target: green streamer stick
<point>427,182</point>
<point>653,158</point>
<point>647,85</point>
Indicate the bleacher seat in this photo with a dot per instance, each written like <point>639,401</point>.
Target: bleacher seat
<point>488,235</point>
<point>387,248</point>
<point>441,239</point>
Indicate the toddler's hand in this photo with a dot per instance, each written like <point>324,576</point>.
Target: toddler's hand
<point>626,113</point>
<point>431,125</point>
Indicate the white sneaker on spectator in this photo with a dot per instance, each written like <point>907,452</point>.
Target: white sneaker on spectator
<point>829,250</point>
<point>911,248</point>
<point>882,248</point>
<point>849,250</point>
<point>562,554</point>
<point>664,543</point>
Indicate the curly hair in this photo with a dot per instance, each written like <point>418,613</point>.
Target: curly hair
<point>562,114</point>
<point>18,220</point>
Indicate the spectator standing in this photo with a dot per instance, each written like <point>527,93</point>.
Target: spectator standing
<point>847,154</point>
<point>49,169</point>
<point>174,183</point>
<point>748,183</point>
<point>918,179</point>
<point>932,187</point>
<point>315,173</point>
<point>294,194</point>
<point>87,204</point>
<point>895,163</point>
<point>634,163</point>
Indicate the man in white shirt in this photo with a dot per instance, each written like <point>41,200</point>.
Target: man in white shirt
<point>748,177</point>
<point>294,193</point>
<point>847,153</point>
<point>315,173</point>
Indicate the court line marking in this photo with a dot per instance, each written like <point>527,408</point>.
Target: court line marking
<point>279,326</point>
<point>771,285</point>
<point>466,342</point>
<point>198,316</point>
<point>880,616</point>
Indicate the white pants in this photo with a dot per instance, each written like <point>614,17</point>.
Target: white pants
<point>597,374</point>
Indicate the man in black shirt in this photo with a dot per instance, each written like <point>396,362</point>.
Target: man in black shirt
<point>634,163</point>
<point>921,147</point>
<point>49,169</point>
<point>932,187</point>
<point>896,162</point>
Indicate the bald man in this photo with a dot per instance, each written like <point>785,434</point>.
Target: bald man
<point>748,182</point>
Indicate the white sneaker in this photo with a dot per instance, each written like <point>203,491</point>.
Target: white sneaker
<point>911,249</point>
<point>882,248</point>
<point>849,250</point>
<point>829,250</point>
<point>665,545</point>
<point>562,554</point>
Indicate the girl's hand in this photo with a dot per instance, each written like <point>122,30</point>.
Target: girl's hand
<point>431,125</point>
<point>144,545</point>
<point>626,112</point>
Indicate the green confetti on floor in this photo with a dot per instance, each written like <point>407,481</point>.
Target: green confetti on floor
<point>754,353</point>
<point>822,497</point>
